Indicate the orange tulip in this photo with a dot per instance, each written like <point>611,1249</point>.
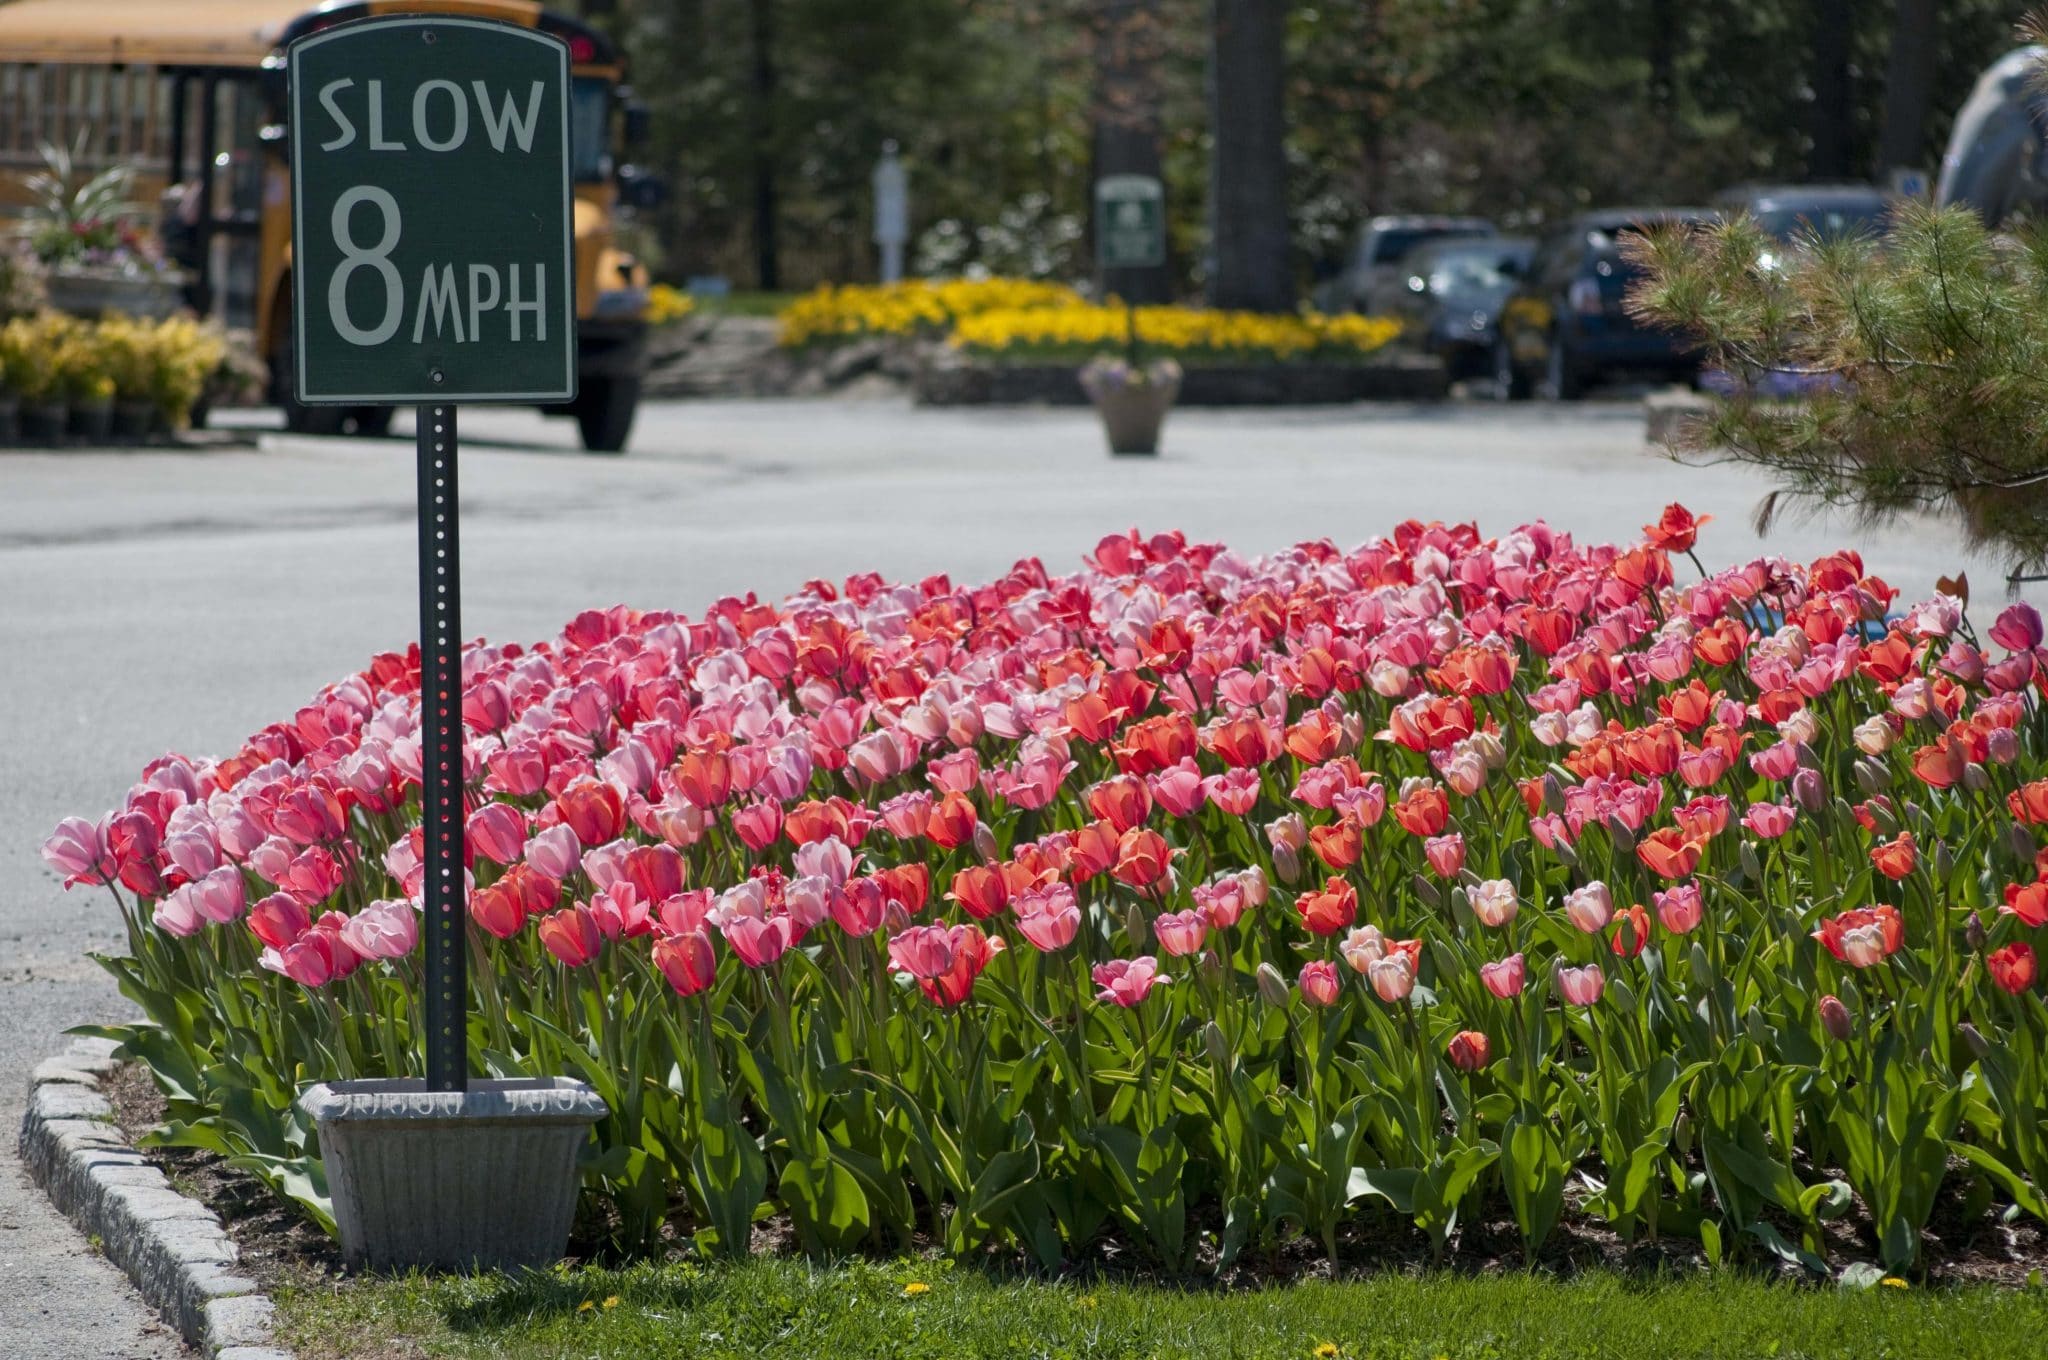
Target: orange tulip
<point>1329,911</point>
<point>1895,858</point>
<point>1667,853</point>
<point>1337,846</point>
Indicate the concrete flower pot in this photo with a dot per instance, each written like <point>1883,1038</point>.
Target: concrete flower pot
<point>483,1179</point>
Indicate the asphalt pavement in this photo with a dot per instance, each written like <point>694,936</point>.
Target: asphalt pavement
<point>178,600</point>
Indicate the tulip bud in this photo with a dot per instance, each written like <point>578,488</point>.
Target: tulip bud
<point>1214,970</point>
<point>984,843</point>
<point>1944,862</point>
<point>1569,856</point>
<point>2019,841</point>
<point>1218,1046</point>
<point>1834,1017</point>
<point>1624,838</point>
<point>1427,891</point>
<point>1751,862</point>
<point>1806,756</point>
<point>1135,928</point>
<point>895,919</point>
<point>1978,1044</point>
<point>1870,778</point>
<point>1553,794</point>
<point>1681,1134</point>
<point>1976,778</point>
<point>1973,932</point>
<point>1272,987</point>
<point>1809,790</point>
<point>1286,864</point>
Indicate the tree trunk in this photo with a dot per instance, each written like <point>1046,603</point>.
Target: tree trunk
<point>1832,129</point>
<point>1908,87</point>
<point>1248,162</point>
<point>767,261</point>
<point>1128,45</point>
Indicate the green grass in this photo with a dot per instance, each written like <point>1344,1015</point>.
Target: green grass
<point>787,1308</point>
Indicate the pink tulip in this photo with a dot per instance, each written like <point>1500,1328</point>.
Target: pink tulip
<point>2018,628</point>
<point>177,915</point>
<point>1178,789</point>
<point>1768,821</point>
<point>387,929</point>
<point>1581,986</point>
<point>1320,984</point>
<point>1236,792</point>
<point>1445,853</point>
<point>1127,982</point>
<point>923,951</point>
<point>1392,977</point>
<point>1047,917</point>
<point>685,913</point>
<point>1222,901</point>
<point>1679,908</point>
<point>195,853</point>
<point>758,943</point>
<point>498,831</point>
<point>554,851</point>
<point>1181,933</point>
<point>859,906</point>
<point>1590,908</point>
<point>219,896</point>
<point>758,824</point>
<point>1493,902</point>
<point>278,920</point>
<point>827,859</point>
<point>655,871</point>
<point>1506,978</point>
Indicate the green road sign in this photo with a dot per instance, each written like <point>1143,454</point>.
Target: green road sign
<point>1130,222</point>
<point>431,242</point>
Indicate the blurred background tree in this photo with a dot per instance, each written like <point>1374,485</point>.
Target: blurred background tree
<point>769,115</point>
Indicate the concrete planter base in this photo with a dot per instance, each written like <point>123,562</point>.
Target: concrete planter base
<point>482,1179</point>
<point>1132,415</point>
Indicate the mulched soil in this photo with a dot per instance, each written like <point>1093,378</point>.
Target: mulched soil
<point>1965,1243</point>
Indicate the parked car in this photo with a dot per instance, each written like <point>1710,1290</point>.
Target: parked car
<point>1381,243</point>
<point>1563,325</point>
<point>1795,212</point>
<point>1447,295</point>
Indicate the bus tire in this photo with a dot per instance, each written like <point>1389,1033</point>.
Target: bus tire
<point>299,418</point>
<point>604,413</point>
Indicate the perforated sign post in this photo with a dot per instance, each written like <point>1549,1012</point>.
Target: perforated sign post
<point>432,265</point>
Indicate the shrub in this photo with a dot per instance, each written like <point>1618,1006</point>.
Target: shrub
<point>912,307</point>
<point>1189,896</point>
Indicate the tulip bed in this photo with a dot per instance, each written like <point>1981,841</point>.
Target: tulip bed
<point>1192,900</point>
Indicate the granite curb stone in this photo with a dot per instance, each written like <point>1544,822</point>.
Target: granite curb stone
<point>171,1246</point>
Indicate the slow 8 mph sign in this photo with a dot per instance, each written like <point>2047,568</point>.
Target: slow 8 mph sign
<point>430,213</point>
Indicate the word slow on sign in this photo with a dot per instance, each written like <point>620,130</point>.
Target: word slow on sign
<point>431,216</point>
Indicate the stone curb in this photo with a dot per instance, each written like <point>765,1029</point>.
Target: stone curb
<point>173,1248</point>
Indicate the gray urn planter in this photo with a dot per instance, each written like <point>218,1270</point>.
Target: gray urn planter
<point>478,1180</point>
<point>1132,415</point>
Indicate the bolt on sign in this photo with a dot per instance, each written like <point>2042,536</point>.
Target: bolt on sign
<point>431,241</point>
<point>1130,222</point>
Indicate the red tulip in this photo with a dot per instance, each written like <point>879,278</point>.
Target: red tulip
<point>2012,967</point>
<point>687,961</point>
<point>571,935</point>
<point>1469,1050</point>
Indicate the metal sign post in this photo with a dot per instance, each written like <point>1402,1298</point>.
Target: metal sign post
<point>432,265</point>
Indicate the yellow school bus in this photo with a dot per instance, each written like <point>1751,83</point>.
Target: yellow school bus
<point>190,93</point>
